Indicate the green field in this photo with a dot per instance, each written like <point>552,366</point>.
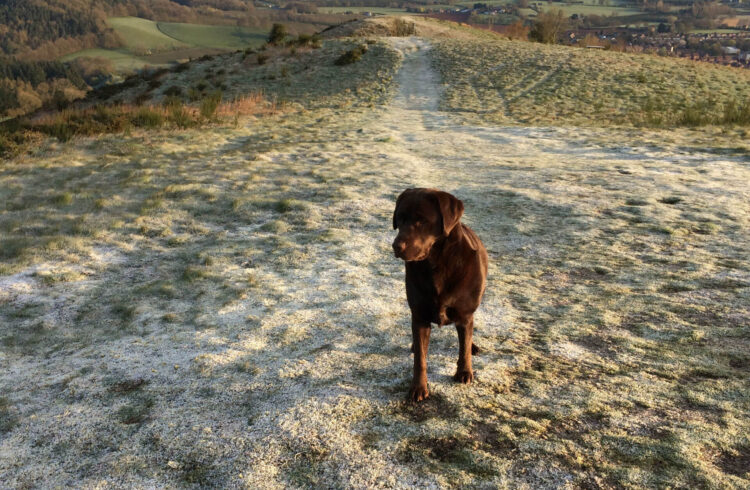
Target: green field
<point>570,9</point>
<point>142,35</point>
<point>715,31</point>
<point>159,43</point>
<point>222,37</point>
<point>358,9</point>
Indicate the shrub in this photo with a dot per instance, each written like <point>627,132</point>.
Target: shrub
<point>735,113</point>
<point>174,90</point>
<point>61,130</point>
<point>402,28</point>
<point>695,115</point>
<point>351,56</point>
<point>262,58</point>
<point>147,117</point>
<point>277,34</point>
<point>209,105</point>
<point>105,119</point>
<point>178,115</point>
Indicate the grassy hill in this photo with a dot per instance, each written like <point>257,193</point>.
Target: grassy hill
<point>219,306</point>
<point>515,82</point>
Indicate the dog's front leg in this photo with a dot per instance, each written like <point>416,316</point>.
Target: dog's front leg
<point>420,343</point>
<point>465,329</point>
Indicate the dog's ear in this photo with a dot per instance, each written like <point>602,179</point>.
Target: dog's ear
<point>398,203</point>
<point>451,209</point>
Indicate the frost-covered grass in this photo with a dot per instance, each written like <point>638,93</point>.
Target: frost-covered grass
<point>220,307</point>
<point>514,82</point>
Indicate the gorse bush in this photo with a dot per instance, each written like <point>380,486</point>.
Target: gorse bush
<point>402,28</point>
<point>351,56</point>
<point>277,34</point>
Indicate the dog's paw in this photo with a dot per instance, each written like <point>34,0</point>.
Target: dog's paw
<point>417,393</point>
<point>465,377</point>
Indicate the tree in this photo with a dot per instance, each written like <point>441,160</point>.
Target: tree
<point>278,33</point>
<point>548,26</point>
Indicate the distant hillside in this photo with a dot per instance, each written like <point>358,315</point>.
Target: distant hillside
<point>48,29</point>
<point>105,39</point>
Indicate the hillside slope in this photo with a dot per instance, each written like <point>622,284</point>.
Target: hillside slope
<point>514,82</point>
<point>221,307</point>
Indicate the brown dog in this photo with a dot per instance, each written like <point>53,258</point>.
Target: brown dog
<point>446,271</point>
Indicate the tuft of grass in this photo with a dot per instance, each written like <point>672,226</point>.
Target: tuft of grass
<point>148,117</point>
<point>135,412</point>
<point>209,105</point>
<point>7,420</point>
<point>670,200</point>
<point>63,199</point>
<point>193,273</point>
<point>127,385</point>
<point>14,247</point>
<point>288,205</point>
<point>178,115</point>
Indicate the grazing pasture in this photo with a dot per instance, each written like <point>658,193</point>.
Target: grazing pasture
<point>142,35</point>
<point>222,37</point>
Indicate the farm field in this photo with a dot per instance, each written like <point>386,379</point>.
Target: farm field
<point>142,35</point>
<point>222,37</point>
<point>356,8</point>
<point>585,9</point>
<point>221,307</point>
<point>149,43</point>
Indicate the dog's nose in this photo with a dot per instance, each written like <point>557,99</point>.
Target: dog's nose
<point>398,247</point>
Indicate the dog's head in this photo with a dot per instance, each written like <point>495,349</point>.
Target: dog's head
<point>422,217</point>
